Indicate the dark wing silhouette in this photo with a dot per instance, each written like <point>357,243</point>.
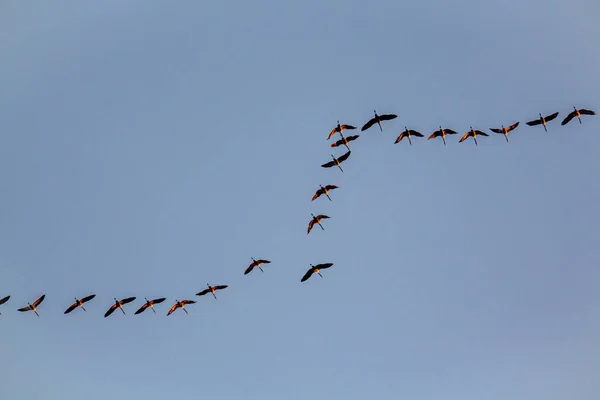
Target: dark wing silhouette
<point>323,266</point>
<point>110,310</point>
<point>534,122</point>
<point>481,133</point>
<point>449,132</point>
<point>368,125</point>
<point>569,117</point>
<point>175,307</point>
<point>307,275</point>
<point>331,187</point>
<point>159,300</point>
<point>338,143</point>
<point>142,308</point>
<point>497,130</point>
<point>415,133</point>
<point>434,135</point>
<point>587,112</point>
<point>188,301</point>
<point>310,225</point>
<point>4,300</point>
<point>25,309</point>
<point>402,136</point>
<point>250,268</point>
<point>513,126</point>
<point>318,193</point>
<point>88,298</point>
<point>263,261</point>
<point>38,301</point>
<point>329,164</point>
<point>333,132</point>
<point>465,136</point>
<point>220,287</point>
<point>551,117</point>
<point>321,216</point>
<point>127,300</point>
<point>353,137</point>
<point>344,157</point>
<point>202,293</point>
<point>71,308</point>
<point>349,127</point>
<point>387,117</point>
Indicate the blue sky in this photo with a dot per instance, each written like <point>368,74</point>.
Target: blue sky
<point>148,148</point>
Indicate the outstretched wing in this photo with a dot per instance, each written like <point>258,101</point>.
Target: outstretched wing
<point>317,194</point>
<point>331,187</point>
<point>351,138</point>
<point>368,125</point>
<point>24,309</point>
<point>263,261</point>
<point>329,164</point>
<point>338,143</point>
<point>202,293</point>
<point>450,132</point>
<point>434,135</point>
<point>142,308</point>
<point>387,117</point>
<point>127,300</point>
<point>587,112</point>
<point>220,287</point>
<point>513,126</point>
<point>175,306</point>
<point>415,133</point>
<point>39,301</point>
<point>569,117</point>
<point>88,298</point>
<point>323,266</point>
<point>159,300</point>
<point>4,300</point>
<point>496,130</point>
<point>534,122</point>
<point>310,225</point>
<point>465,136</point>
<point>250,268</point>
<point>344,157</point>
<point>551,117</point>
<point>188,301</point>
<point>110,310</point>
<point>322,216</point>
<point>399,139</point>
<point>71,308</point>
<point>307,275</point>
<point>349,127</point>
<point>481,133</point>
<point>333,132</point>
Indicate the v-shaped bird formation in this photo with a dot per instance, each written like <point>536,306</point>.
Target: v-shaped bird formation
<point>322,191</point>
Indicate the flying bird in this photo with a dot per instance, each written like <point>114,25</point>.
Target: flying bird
<point>577,113</point>
<point>316,220</point>
<point>256,263</point>
<point>79,303</point>
<point>315,269</point>
<point>377,120</point>
<point>149,304</point>
<point>472,133</point>
<point>504,130</point>
<point>339,128</point>
<point>33,307</point>
<point>407,134</point>
<point>441,132</point>
<point>337,161</point>
<point>324,190</point>
<point>4,300</point>
<point>180,304</point>
<point>119,304</point>
<point>543,120</point>
<point>344,141</point>
<point>211,289</point>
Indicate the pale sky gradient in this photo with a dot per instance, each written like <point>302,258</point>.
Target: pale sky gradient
<point>150,147</point>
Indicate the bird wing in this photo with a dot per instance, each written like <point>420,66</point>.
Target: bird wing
<point>323,266</point>
<point>434,135</point>
<point>71,308</point>
<point>496,130</point>
<point>317,194</point>
<point>349,127</point>
<point>263,261</point>
<point>110,310</point>
<point>28,308</point>
<point>333,132</point>
<point>331,187</point>
<point>159,300</point>
<point>322,216</point>
<point>220,287</point>
<point>88,298</point>
<point>481,133</point>
<point>38,301</point>
<point>202,293</point>
<point>142,308</point>
<point>188,301</point>
<point>310,225</point>
<point>415,133</point>
<point>465,136</point>
<point>534,122</point>
<point>513,126</point>
<point>569,117</point>
<point>369,124</point>
<point>587,112</point>
<point>387,117</point>
<point>551,117</point>
<point>450,132</point>
<point>344,157</point>
<point>175,306</point>
<point>127,300</point>
<point>399,138</point>
<point>338,143</point>
<point>250,268</point>
<point>307,275</point>
<point>329,164</point>
<point>4,300</point>
<point>351,138</point>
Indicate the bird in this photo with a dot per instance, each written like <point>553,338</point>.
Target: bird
<point>473,133</point>
<point>577,113</point>
<point>180,304</point>
<point>315,269</point>
<point>344,141</point>
<point>211,289</point>
<point>316,220</point>
<point>504,130</point>
<point>33,307</point>
<point>4,300</point>
<point>324,190</point>
<point>79,303</point>
<point>377,119</point>
<point>543,120</point>
<point>441,132</point>
<point>338,129</point>
<point>119,304</point>
<point>337,161</point>
<point>256,263</point>
<point>407,134</point>
<point>149,304</point>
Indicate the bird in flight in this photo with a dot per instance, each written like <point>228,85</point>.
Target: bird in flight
<point>315,269</point>
<point>119,304</point>
<point>180,304</point>
<point>543,120</point>
<point>149,304</point>
<point>344,141</point>
<point>324,190</point>
<point>33,307</point>
<point>256,263</point>
<point>577,113</point>
<point>316,220</point>
<point>472,133</point>
<point>377,120</point>
<point>337,161</point>
<point>4,300</point>
<point>338,129</point>
<point>211,289</point>
<point>504,130</point>
<point>407,134</point>
<point>79,303</point>
<point>441,132</point>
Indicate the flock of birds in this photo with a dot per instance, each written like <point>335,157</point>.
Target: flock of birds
<point>323,190</point>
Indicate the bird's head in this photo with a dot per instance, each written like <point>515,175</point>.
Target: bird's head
<point>253,260</point>
<point>338,122</point>
<point>116,301</point>
<point>147,301</point>
<point>312,215</point>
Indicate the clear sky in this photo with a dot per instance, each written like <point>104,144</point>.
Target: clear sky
<point>150,147</point>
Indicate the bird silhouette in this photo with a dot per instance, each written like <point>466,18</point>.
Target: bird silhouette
<point>543,120</point>
<point>316,220</point>
<point>79,303</point>
<point>339,128</point>
<point>504,130</point>
<point>211,289</point>
<point>180,304</point>
<point>256,263</point>
<point>577,113</point>
<point>407,134</point>
<point>337,161</point>
<point>118,304</point>
<point>149,304</point>
<point>324,191</point>
<point>377,119</point>
<point>472,133</point>
<point>33,307</point>
<point>441,133</point>
<point>315,269</point>
<point>4,300</point>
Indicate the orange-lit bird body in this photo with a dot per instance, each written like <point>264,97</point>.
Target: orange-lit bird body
<point>441,133</point>
<point>504,131</point>
<point>472,133</point>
